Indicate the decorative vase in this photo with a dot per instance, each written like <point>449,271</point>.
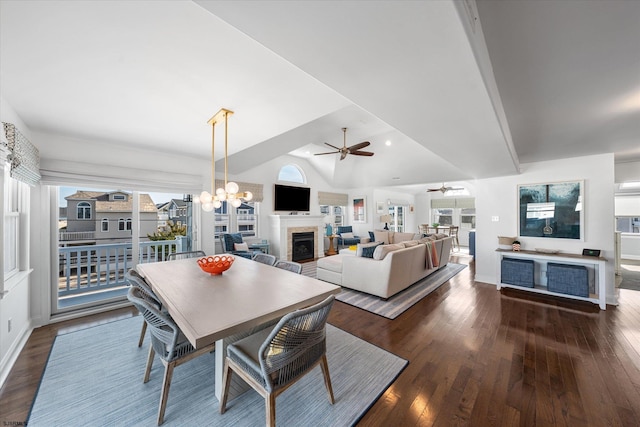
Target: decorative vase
<point>329,230</point>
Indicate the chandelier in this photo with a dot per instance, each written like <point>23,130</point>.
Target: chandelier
<point>230,192</point>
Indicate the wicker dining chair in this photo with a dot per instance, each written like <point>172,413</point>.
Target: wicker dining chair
<point>289,265</point>
<point>133,278</point>
<point>453,232</point>
<point>188,254</point>
<point>272,360</point>
<point>167,341</point>
<point>264,258</point>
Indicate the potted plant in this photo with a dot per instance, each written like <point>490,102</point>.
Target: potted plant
<point>516,245</point>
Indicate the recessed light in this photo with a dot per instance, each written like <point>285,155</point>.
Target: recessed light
<point>387,143</point>
<point>395,177</point>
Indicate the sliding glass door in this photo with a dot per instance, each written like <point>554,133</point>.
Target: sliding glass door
<point>103,232</point>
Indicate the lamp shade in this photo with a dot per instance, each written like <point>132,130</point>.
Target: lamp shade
<point>385,218</point>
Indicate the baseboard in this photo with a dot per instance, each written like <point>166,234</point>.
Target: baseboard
<point>12,355</point>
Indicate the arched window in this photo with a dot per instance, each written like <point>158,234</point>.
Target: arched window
<point>84,210</point>
<point>129,224</point>
<point>121,224</point>
<point>292,173</point>
<point>105,224</point>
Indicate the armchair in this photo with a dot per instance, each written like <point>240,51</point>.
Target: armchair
<point>228,242</point>
<point>346,237</point>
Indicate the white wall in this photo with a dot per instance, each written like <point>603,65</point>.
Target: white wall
<point>498,197</point>
<point>14,305</point>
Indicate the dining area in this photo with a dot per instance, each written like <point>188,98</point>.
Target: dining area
<point>449,230</point>
<point>211,312</point>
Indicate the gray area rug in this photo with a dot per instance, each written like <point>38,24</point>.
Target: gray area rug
<point>94,378</point>
<point>630,272</point>
<point>400,302</point>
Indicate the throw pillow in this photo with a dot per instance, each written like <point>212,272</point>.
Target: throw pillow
<point>382,250</point>
<point>366,249</point>
<point>347,235</point>
<point>381,236</point>
<point>240,247</point>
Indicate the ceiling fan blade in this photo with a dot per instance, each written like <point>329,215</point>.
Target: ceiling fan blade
<point>432,189</point>
<point>358,146</point>
<point>321,154</point>
<point>343,154</point>
<point>332,146</point>
<point>362,153</point>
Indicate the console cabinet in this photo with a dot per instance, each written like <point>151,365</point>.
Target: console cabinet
<point>595,267</point>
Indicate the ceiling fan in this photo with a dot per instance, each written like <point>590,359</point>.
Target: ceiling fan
<point>354,149</point>
<point>444,189</point>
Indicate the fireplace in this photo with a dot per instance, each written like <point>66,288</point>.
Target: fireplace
<point>302,247</point>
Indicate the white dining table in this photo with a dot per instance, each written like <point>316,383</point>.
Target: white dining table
<point>227,307</point>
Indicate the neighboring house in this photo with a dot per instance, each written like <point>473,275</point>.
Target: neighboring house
<point>107,216</point>
<point>163,213</point>
<point>177,209</point>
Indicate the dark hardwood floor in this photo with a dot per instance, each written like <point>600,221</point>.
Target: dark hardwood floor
<point>477,357</point>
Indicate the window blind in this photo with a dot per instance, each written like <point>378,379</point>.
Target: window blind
<point>333,199</point>
<point>24,156</point>
<point>467,203</point>
<point>256,189</point>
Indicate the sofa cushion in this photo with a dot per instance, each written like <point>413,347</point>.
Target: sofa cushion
<point>331,263</point>
<point>366,249</point>
<point>382,250</point>
<point>427,239</point>
<point>381,236</point>
<point>401,237</point>
<point>347,235</point>
<point>410,243</point>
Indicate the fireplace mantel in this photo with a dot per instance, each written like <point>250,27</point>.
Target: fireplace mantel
<point>281,227</point>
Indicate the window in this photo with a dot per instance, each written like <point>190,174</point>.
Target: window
<point>128,224</point>
<point>468,218</point>
<point>397,218</point>
<point>336,211</point>
<point>11,225</point>
<point>121,224</point>
<point>105,225</point>
<point>221,220</point>
<point>443,216</point>
<point>291,173</point>
<point>119,197</point>
<point>247,219</point>
<point>84,210</point>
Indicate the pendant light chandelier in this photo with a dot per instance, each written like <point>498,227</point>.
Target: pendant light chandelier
<point>230,192</point>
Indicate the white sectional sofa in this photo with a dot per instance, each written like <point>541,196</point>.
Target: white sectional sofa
<point>398,266</point>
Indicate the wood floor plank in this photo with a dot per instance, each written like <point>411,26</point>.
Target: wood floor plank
<point>477,357</point>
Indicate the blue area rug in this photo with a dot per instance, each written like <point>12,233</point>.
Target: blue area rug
<point>94,378</point>
<point>402,301</point>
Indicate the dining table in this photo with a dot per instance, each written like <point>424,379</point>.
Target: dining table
<point>224,308</point>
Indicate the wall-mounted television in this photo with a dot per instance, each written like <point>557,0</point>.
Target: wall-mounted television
<point>291,199</point>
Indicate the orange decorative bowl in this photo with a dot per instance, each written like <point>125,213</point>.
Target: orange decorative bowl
<point>216,264</point>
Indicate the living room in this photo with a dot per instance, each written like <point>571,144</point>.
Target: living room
<point>115,160</point>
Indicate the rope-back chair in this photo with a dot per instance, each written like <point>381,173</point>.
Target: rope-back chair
<point>271,361</point>
<point>453,232</point>
<point>264,258</point>
<point>167,341</point>
<point>135,280</point>
<point>290,266</point>
<point>188,254</point>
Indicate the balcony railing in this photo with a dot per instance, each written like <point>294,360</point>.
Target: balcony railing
<point>91,268</point>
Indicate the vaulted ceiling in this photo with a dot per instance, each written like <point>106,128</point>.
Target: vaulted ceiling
<point>459,90</point>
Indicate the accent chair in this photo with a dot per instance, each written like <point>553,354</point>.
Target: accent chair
<point>346,236</point>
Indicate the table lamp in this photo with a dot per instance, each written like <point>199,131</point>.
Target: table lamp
<point>386,219</point>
